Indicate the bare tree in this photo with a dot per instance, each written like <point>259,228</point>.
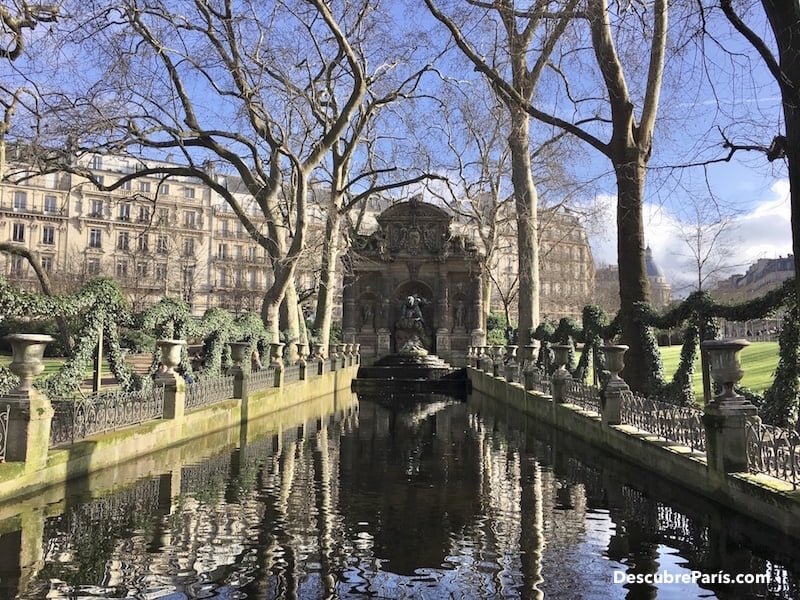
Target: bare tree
<point>227,87</point>
<point>783,17</point>
<point>630,136</point>
<point>514,66</point>
<point>705,234</point>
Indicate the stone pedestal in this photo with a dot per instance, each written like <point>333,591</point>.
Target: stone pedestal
<point>612,392</point>
<point>29,418</point>
<point>725,417</point>
<point>384,342</point>
<point>726,441</point>
<point>558,381</point>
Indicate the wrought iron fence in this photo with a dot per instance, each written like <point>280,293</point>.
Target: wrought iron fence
<point>540,382</point>
<point>773,450</point>
<point>585,396</point>
<point>78,418</point>
<point>261,379</point>
<point>208,391</point>
<point>680,424</point>
<point>4,415</point>
<point>291,373</point>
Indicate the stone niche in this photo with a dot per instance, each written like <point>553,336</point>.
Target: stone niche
<point>412,278</point>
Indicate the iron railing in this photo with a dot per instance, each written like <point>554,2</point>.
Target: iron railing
<point>208,391</point>
<point>77,418</point>
<point>773,450</point>
<point>540,382</point>
<point>4,415</point>
<point>291,373</point>
<point>583,395</point>
<point>680,424</point>
<point>261,379</point>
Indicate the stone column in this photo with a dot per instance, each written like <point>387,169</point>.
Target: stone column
<point>529,364</point>
<point>512,366</point>
<point>276,361</point>
<point>239,354</point>
<point>726,415</point>
<point>612,392</point>
<point>558,381</point>
<point>174,384</point>
<point>30,411</point>
<point>477,335</point>
<point>349,323</point>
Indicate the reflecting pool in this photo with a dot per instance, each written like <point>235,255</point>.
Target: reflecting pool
<point>416,497</point>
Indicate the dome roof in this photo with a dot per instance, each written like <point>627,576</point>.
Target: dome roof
<point>653,270</point>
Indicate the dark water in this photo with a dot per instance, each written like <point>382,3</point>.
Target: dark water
<point>435,499</point>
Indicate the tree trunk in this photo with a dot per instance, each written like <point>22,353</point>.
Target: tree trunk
<point>526,201</point>
<point>323,317</point>
<point>486,295</point>
<point>784,19</point>
<point>289,321</point>
<point>633,284</point>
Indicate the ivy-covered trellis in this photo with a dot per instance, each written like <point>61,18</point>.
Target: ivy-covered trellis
<point>697,316</point>
<point>100,306</point>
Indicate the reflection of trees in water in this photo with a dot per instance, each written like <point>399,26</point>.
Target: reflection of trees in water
<point>330,508</point>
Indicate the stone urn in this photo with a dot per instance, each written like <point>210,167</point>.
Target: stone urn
<point>531,354</point>
<point>560,355</point>
<point>511,353</point>
<point>27,350</point>
<point>170,354</point>
<point>615,362</point>
<point>726,366</point>
<point>319,351</point>
<point>239,352</point>
<point>276,353</point>
<point>302,353</point>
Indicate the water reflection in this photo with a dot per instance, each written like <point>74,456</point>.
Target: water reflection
<point>436,498</point>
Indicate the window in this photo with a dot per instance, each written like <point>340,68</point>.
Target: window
<point>251,254</point>
<point>141,269</point>
<point>50,204</point>
<point>18,232</point>
<point>95,238</point>
<point>188,276</point>
<point>163,189</point>
<point>100,181</point>
<point>20,201</point>
<point>189,219</point>
<point>144,214</point>
<point>126,186</point>
<point>223,278</point>
<point>225,227</point>
<point>47,263</point>
<point>125,212</point>
<point>163,215</point>
<point>144,186</point>
<point>188,192</point>
<point>97,162</point>
<point>239,278</point>
<point>48,235</point>
<point>161,244</point>
<point>122,268</point>
<point>93,266</point>
<point>97,209</point>
<point>239,252</point>
<point>123,240</point>
<point>161,272</point>
<point>188,247</point>
<point>143,243</point>
<point>222,251</point>
<point>254,279</point>
<point>18,266</point>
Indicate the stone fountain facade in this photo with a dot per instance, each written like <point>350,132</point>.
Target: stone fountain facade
<point>412,280</point>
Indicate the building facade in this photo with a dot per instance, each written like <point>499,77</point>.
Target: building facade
<point>607,286</point>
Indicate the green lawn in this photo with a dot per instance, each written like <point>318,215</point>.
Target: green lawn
<point>758,362</point>
<point>54,364</point>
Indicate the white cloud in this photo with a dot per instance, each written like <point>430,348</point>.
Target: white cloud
<point>763,232</point>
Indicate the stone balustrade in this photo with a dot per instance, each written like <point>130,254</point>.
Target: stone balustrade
<point>27,415</point>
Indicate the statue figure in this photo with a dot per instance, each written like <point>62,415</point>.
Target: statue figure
<point>412,310</point>
<point>458,316</point>
<point>366,314</point>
